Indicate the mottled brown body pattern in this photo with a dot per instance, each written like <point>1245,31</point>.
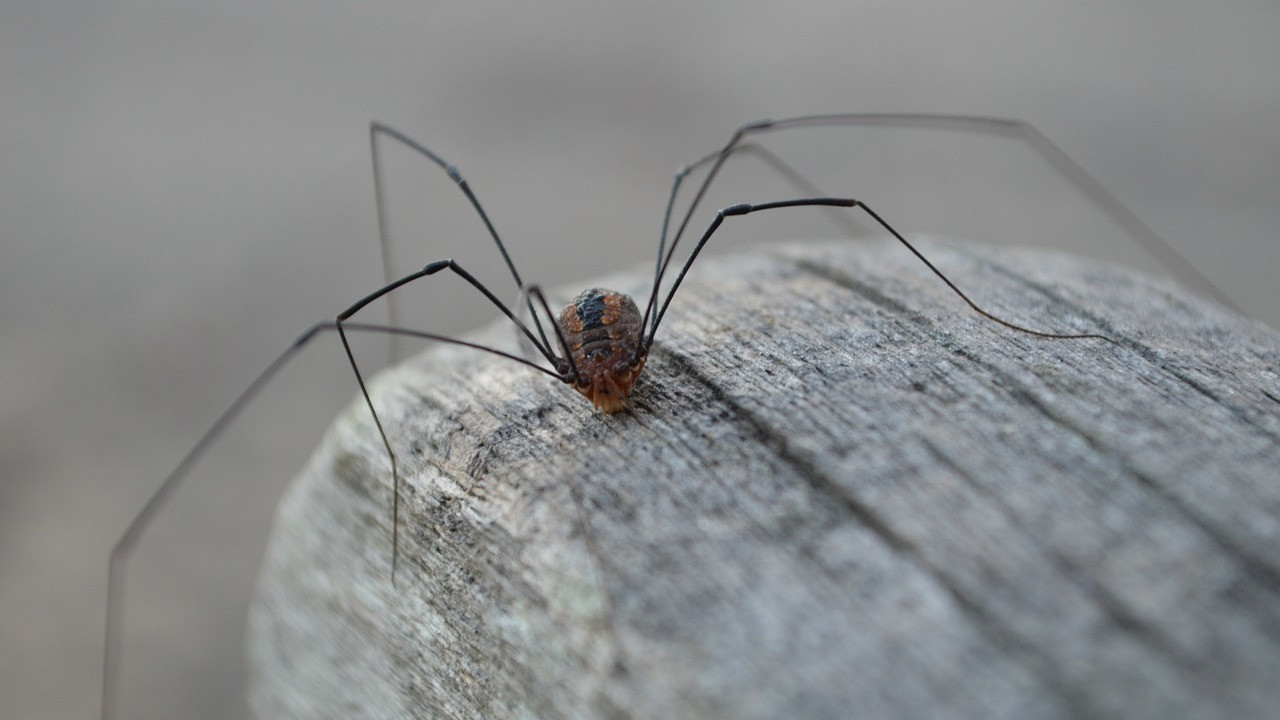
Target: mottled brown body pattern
<point>605,336</point>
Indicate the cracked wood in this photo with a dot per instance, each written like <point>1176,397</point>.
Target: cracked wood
<point>838,493</point>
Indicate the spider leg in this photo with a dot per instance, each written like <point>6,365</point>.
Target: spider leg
<point>564,372</point>
<point>571,364</point>
<point>377,130</point>
<point>340,323</point>
<point>780,166</point>
<point>731,211</point>
<point>747,208</point>
<point>123,548</point>
<point>1102,198</point>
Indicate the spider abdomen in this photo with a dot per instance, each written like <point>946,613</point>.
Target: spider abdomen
<point>604,332</point>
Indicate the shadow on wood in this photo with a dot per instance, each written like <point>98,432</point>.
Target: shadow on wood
<point>839,493</point>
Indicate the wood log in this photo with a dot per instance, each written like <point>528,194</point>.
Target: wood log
<point>838,493</point>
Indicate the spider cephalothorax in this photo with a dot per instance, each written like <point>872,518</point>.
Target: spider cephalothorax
<point>605,337</point>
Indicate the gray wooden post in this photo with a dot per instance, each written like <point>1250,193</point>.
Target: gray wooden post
<point>839,494</point>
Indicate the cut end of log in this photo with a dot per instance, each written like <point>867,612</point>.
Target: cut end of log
<point>837,493</point>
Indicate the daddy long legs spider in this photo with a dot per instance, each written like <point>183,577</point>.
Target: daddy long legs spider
<point>598,344</point>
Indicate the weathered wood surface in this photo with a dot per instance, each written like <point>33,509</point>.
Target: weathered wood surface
<point>839,494</point>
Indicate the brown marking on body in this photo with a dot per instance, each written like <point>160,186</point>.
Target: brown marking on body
<point>604,334</point>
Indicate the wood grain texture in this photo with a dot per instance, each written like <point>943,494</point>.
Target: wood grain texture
<point>839,493</point>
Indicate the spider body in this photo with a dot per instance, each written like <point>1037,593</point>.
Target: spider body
<point>604,332</point>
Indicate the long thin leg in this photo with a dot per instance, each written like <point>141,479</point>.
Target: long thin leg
<point>433,268</point>
<point>342,318</point>
<point>793,176</point>
<point>124,546</point>
<point>1059,160</point>
<point>384,242</point>
<point>377,129</point>
<point>747,208</point>
<point>570,366</point>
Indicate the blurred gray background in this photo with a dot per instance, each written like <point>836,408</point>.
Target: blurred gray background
<point>185,187</point>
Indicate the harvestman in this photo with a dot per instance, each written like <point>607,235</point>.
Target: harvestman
<point>602,338</point>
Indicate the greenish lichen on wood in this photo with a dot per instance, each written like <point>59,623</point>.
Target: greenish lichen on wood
<point>838,493</point>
